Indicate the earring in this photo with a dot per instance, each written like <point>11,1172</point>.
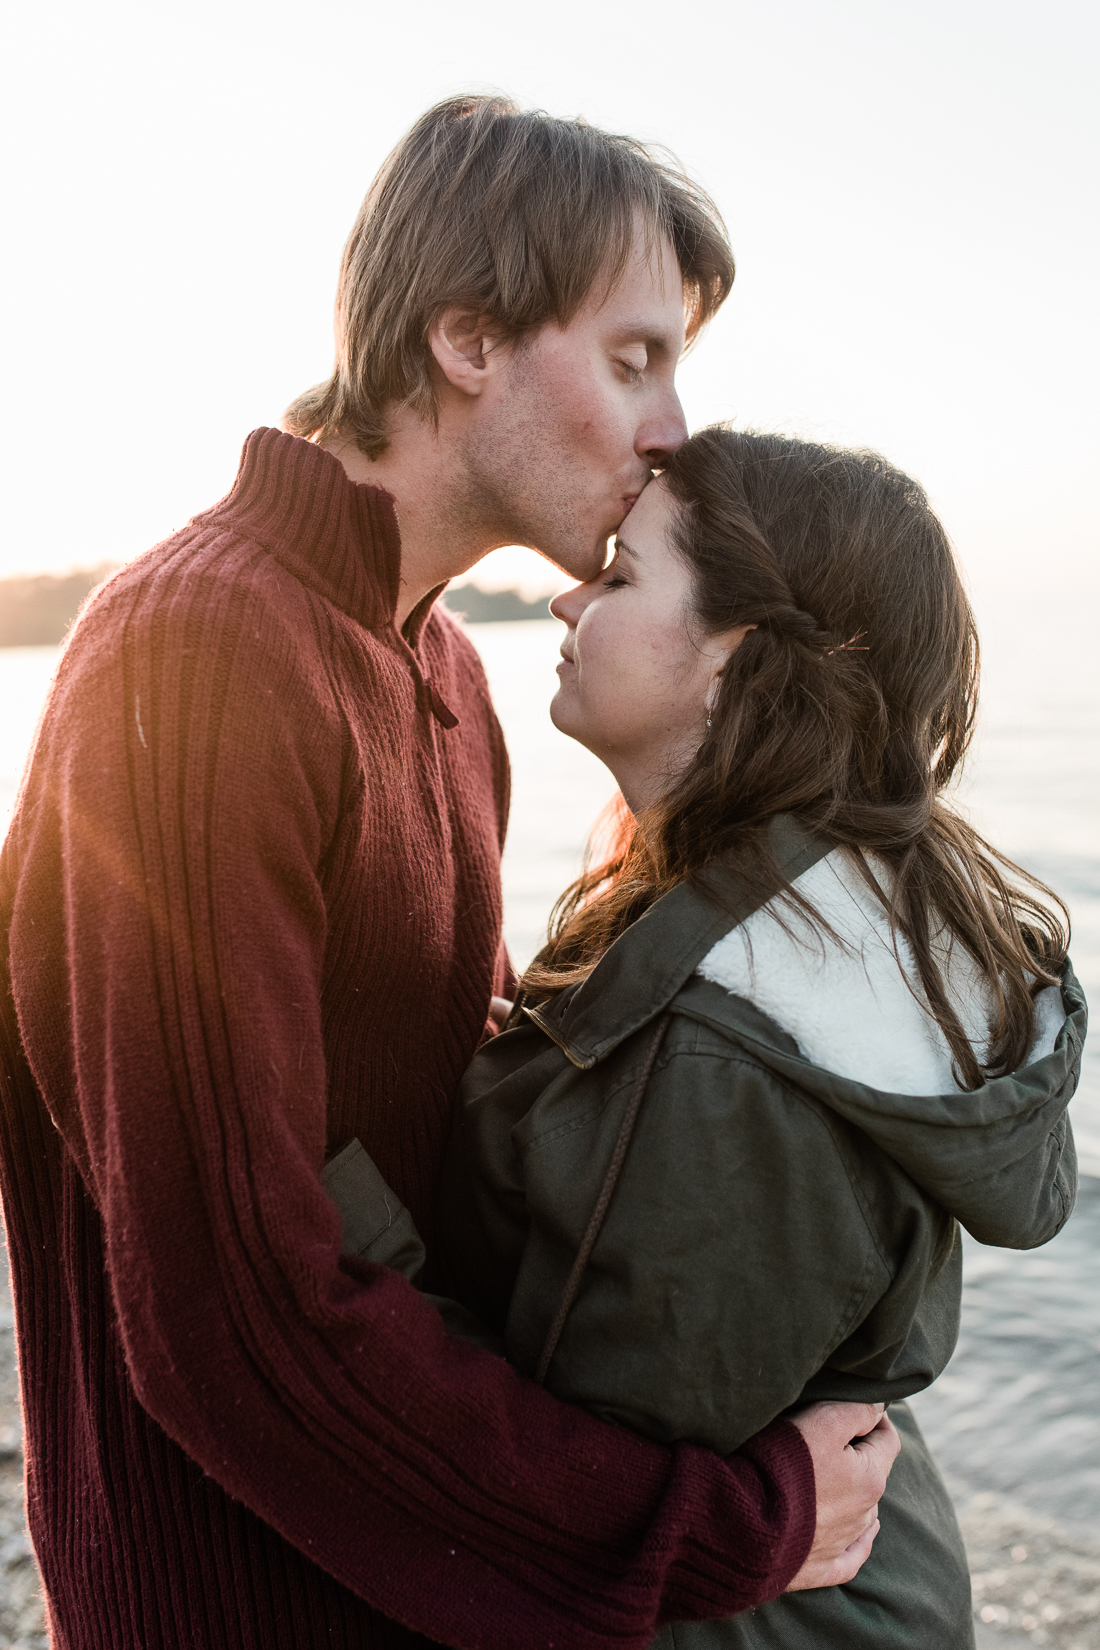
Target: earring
<point>708,721</point>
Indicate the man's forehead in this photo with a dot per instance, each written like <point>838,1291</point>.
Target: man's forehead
<point>646,298</point>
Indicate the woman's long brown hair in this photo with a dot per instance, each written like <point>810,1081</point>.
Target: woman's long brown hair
<point>851,706</point>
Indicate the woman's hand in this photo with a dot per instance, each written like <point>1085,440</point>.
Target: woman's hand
<point>853,1448</point>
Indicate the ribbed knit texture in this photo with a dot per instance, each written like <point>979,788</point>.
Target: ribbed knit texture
<point>252,907</point>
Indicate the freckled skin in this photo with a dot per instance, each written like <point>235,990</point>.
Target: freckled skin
<point>637,672</point>
<point>574,426</point>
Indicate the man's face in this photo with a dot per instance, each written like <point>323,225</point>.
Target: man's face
<point>569,433</point>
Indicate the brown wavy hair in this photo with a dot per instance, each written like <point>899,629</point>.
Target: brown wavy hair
<point>513,215</point>
<point>850,706</point>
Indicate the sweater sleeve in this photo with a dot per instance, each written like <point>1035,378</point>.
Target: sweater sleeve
<point>167,948</point>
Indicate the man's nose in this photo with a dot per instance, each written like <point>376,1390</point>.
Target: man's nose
<point>661,435</point>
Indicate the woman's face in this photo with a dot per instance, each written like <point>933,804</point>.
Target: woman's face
<point>637,673</point>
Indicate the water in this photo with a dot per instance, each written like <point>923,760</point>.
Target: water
<point>1018,1410</point>
<point>25,674</point>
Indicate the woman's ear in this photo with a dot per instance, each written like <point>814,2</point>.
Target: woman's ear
<point>465,349</point>
<point>725,647</point>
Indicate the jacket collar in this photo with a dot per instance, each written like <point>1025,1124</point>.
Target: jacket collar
<point>336,536</point>
<point>646,967</point>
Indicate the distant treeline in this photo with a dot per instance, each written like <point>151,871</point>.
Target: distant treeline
<point>37,609</point>
<point>482,606</point>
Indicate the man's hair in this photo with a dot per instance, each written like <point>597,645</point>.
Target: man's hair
<point>512,215</point>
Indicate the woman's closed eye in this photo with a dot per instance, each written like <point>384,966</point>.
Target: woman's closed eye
<point>614,574</point>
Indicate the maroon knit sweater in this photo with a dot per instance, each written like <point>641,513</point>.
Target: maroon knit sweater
<point>252,907</point>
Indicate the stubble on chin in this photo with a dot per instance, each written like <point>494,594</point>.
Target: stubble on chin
<point>519,479</point>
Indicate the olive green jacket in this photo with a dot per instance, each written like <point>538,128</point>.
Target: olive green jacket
<point>778,1234</point>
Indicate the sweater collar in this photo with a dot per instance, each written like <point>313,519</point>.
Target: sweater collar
<point>337,536</point>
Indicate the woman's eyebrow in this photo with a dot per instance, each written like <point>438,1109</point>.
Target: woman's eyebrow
<point>621,544</point>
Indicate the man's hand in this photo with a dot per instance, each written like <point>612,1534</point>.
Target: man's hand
<point>853,1448</point>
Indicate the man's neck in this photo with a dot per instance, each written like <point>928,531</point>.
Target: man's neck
<point>441,536</point>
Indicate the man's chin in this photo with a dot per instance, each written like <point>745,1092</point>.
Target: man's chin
<point>586,567</point>
<point>581,553</point>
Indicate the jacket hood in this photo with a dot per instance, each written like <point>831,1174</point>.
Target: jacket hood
<point>977,1153</point>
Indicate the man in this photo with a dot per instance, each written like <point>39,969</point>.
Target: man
<point>253,911</point>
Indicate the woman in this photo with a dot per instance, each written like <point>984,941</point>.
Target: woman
<point>799,1023</point>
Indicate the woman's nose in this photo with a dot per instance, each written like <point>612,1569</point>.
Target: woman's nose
<point>569,605</point>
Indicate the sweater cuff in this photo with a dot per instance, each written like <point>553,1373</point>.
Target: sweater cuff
<point>748,1525</point>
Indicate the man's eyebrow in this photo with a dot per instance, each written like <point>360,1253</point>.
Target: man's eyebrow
<point>643,332</point>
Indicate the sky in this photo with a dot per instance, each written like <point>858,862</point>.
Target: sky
<point>910,189</point>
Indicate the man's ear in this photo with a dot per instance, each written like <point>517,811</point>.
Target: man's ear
<point>466,349</point>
